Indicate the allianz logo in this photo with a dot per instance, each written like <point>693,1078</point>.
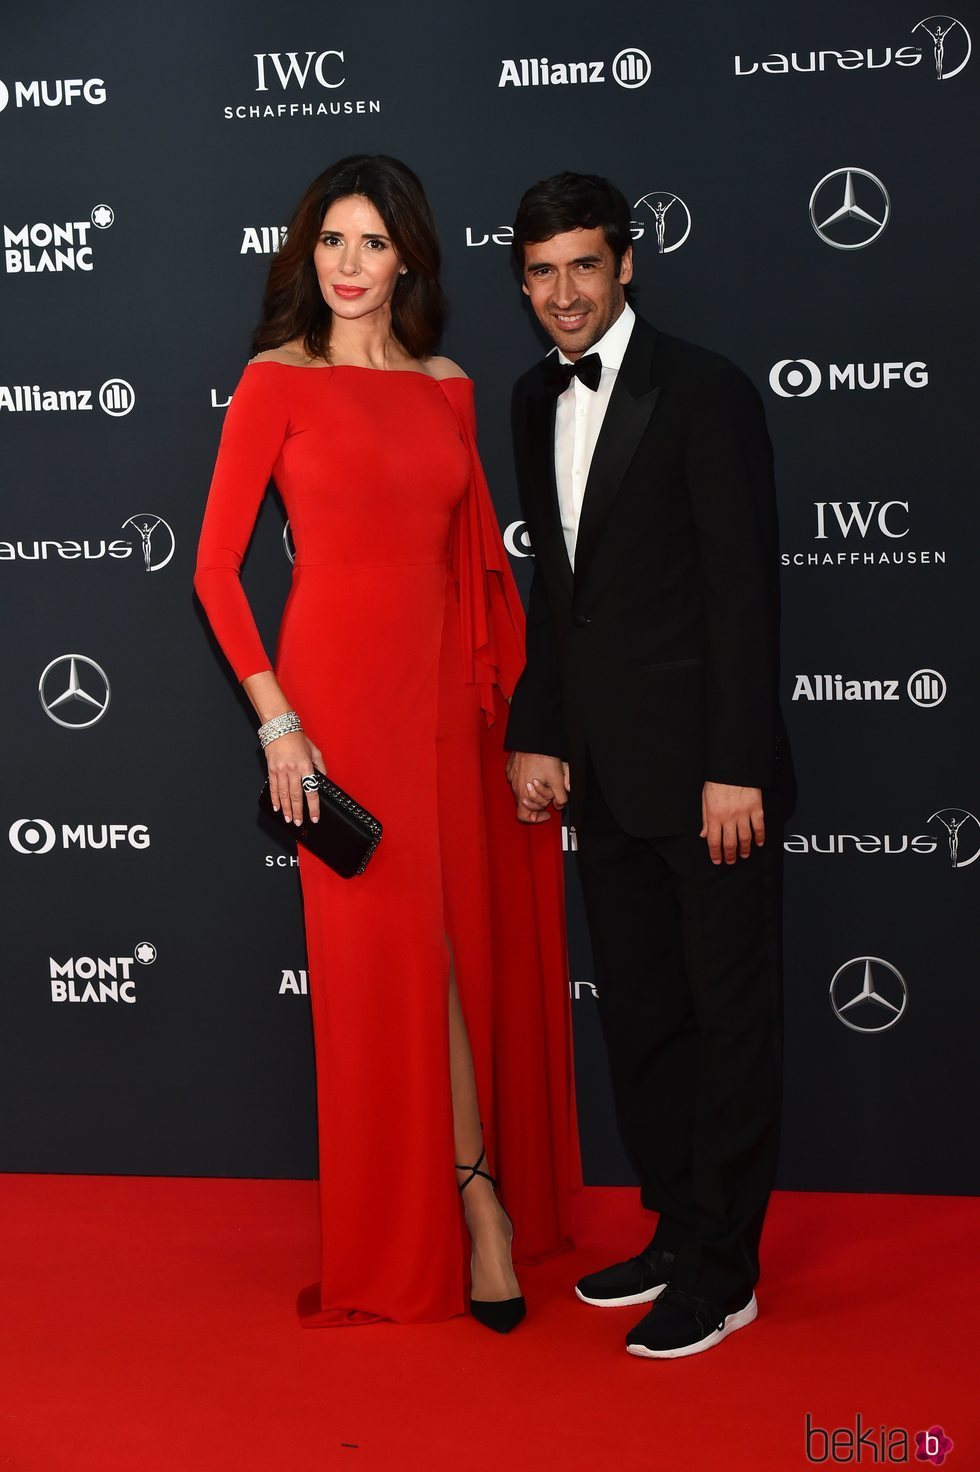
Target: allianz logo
<point>630,67</point>
<point>800,378</point>
<point>262,240</point>
<point>99,979</point>
<point>294,983</point>
<point>924,688</point>
<point>116,397</point>
<point>38,836</point>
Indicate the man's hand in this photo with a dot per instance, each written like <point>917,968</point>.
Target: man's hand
<point>730,818</point>
<point>537,782</point>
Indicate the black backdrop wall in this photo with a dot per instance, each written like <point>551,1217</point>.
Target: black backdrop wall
<point>814,171</point>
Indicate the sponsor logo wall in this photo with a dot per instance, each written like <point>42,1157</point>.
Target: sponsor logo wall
<point>142,203</point>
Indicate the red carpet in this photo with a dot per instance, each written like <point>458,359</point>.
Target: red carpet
<point>149,1324</point>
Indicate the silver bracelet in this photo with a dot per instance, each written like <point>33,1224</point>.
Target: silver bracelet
<point>279,726</point>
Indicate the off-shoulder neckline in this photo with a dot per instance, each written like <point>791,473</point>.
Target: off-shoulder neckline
<point>362,368</point>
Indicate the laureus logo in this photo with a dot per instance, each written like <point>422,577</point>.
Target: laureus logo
<point>951,44</point>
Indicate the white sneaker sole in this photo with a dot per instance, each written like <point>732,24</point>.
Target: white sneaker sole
<point>629,1301</point>
<point>732,1322</point>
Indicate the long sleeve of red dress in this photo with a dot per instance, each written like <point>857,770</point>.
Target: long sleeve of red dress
<point>255,429</point>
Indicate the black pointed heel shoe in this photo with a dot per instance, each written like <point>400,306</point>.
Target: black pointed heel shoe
<point>503,1314</point>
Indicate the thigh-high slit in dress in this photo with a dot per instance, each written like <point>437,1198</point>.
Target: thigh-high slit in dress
<point>401,638</point>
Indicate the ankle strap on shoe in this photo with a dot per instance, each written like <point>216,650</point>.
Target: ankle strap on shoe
<point>474,1171</point>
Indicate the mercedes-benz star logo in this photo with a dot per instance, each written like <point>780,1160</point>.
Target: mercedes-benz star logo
<point>74,701</point>
<point>871,992</point>
<point>658,202</point>
<point>839,219</point>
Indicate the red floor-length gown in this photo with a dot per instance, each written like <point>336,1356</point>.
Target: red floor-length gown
<point>400,639</point>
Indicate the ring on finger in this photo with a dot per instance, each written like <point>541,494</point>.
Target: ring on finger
<point>310,783</point>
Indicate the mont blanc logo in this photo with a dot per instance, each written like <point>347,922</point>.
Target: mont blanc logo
<point>849,208</point>
<point>874,526</point>
<point>517,540</point>
<point>670,230</point>
<point>868,994</point>
<point>74,691</point>
<point>33,249</point>
<point>38,836</point>
<point>99,978</point>
<point>54,93</point>
<point>951,833</point>
<point>631,68</point>
<point>116,397</point>
<point>800,378</point>
<point>262,240</point>
<point>951,44</point>
<point>315,75</point>
<point>926,688</point>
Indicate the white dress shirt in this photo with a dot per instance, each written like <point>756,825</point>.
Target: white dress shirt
<point>578,420</point>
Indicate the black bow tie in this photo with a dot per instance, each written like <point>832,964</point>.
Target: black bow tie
<point>558,376</point>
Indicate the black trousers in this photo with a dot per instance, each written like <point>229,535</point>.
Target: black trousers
<point>688,969</point>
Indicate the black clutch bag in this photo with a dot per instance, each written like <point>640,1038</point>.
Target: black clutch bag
<point>345,837</point>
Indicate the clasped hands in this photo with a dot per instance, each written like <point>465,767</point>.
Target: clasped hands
<point>732,817</point>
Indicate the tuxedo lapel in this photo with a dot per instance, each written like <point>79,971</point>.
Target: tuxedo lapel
<point>630,406</point>
<point>541,410</point>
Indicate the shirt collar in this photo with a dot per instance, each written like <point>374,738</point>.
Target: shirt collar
<point>611,347</point>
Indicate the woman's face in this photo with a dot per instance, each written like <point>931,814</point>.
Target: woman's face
<point>356,264</point>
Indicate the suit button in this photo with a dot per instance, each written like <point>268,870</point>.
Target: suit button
<point>581,620</point>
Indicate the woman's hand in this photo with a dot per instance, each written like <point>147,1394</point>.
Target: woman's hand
<point>291,758</point>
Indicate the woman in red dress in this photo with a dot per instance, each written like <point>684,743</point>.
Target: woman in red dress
<point>438,978</point>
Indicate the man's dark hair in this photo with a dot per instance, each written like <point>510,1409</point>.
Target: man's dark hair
<point>572,202</point>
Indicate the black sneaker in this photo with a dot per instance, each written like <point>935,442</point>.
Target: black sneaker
<point>682,1324</point>
<point>640,1279</point>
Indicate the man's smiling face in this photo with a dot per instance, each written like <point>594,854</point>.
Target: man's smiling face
<point>574,288</point>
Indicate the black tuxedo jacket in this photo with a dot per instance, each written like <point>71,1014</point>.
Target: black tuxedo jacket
<point>659,656</point>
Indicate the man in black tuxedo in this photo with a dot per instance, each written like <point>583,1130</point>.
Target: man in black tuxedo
<point>649,701</point>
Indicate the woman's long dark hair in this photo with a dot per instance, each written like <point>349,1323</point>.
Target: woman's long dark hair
<point>293,304</point>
